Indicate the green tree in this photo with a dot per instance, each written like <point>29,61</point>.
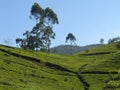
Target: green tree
<point>70,37</point>
<point>109,41</point>
<point>45,19</point>
<point>101,40</point>
<point>42,33</point>
<point>30,42</point>
<point>114,40</point>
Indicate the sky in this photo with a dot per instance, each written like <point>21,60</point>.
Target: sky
<point>88,20</point>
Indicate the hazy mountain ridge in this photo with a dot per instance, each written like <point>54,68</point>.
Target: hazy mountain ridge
<point>68,49</point>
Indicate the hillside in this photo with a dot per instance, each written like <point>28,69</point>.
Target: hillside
<point>68,49</point>
<point>96,69</point>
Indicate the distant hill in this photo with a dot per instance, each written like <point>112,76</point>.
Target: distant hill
<point>68,49</point>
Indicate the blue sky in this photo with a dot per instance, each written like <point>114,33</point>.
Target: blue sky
<point>88,20</point>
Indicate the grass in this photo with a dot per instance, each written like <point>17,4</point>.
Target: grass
<point>17,73</point>
<point>99,67</point>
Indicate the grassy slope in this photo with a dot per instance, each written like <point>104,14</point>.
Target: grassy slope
<point>15,72</point>
<point>19,74</point>
<point>102,67</point>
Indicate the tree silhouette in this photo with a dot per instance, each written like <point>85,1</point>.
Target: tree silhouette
<point>101,40</point>
<point>114,40</point>
<point>70,37</point>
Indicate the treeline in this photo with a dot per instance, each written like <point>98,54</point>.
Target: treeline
<point>39,38</point>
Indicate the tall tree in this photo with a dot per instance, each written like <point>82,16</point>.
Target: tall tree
<point>45,19</point>
<point>70,37</point>
<point>101,40</point>
<point>42,33</point>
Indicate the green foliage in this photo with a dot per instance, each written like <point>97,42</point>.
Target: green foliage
<point>113,84</point>
<point>36,12</point>
<point>101,40</point>
<point>42,32</point>
<point>96,68</point>
<point>86,51</point>
<point>20,74</point>
<point>114,40</point>
<point>70,37</point>
<point>118,45</point>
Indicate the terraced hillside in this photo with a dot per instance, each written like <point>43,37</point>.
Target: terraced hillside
<point>96,69</point>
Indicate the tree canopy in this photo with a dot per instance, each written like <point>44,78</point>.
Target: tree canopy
<point>42,33</point>
<point>70,37</point>
<point>101,41</point>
